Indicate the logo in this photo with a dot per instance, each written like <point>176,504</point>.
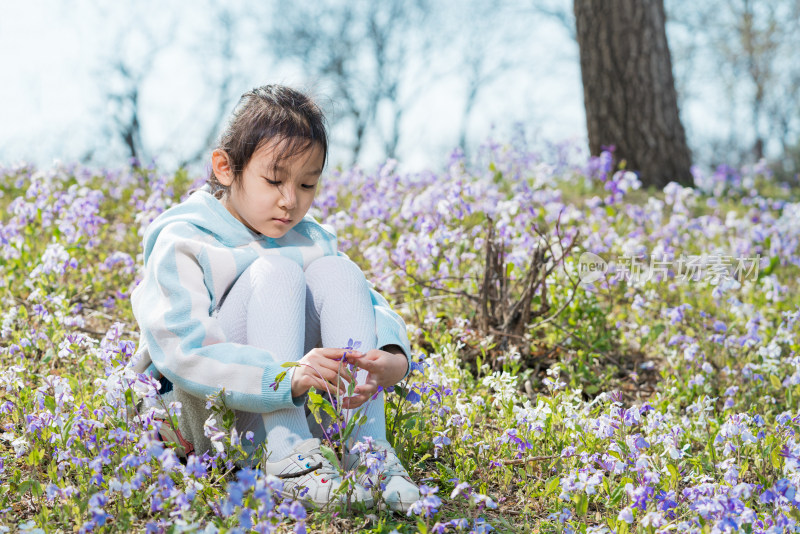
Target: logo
<point>591,268</point>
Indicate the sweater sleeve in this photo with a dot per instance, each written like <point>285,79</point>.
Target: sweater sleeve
<point>390,327</point>
<point>186,342</point>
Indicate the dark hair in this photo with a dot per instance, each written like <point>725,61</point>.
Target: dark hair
<point>271,112</point>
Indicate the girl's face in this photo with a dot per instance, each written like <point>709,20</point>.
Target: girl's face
<point>271,200</point>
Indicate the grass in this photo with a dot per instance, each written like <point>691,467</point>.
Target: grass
<point>645,405</point>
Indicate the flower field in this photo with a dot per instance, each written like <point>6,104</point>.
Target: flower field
<point>656,394</point>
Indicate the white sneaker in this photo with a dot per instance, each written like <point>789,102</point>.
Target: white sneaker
<point>311,479</point>
<point>400,491</point>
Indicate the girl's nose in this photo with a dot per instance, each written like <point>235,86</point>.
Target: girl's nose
<point>288,198</point>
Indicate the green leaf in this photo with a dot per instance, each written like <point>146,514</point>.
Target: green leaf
<point>655,331</point>
<point>314,404</point>
<point>329,409</point>
<point>349,428</point>
<point>424,457</point>
<point>319,402</point>
<point>583,505</point>
<point>675,475</point>
<point>775,457</point>
<point>329,455</point>
<point>315,398</point>
<point>50,404</point>
<point>773,262</point>
<point>775,381</point>
<point>129,398</point>
<point>617,494</point>
<point>25,486</point>
<point>279,377</point>
<point>228,419</point>
<point>290,364</point>
<point>551,486</point>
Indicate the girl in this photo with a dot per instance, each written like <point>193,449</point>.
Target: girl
<point>238,279</point>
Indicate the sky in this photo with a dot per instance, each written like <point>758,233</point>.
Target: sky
<point>57,59</point>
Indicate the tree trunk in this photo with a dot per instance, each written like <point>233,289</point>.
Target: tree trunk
<point>629,91</point>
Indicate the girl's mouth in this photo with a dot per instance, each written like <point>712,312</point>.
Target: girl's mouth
<point>284,221</point>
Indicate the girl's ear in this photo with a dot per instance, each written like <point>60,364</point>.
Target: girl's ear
<point>221,165</point>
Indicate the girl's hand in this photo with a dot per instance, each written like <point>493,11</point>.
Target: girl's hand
<point>324,370</point>
<point>385,367</point>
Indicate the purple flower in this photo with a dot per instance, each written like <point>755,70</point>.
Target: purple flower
<point>293,510</point>
<point>428,505</point>
<point>413,397</point>
<point>352,345</point>
<point>417,367</point>
<point>246,518</point>
<point>195,467</point>
<point>440,441</point>
<point>481,526</point>
<point>462,488</point>
<point>482,501</point>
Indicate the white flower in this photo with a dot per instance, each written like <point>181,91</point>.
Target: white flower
<point>503,384</point>
<point>21,446</point>
<point>213,433</point>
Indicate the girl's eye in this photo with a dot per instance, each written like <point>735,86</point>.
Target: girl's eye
<point>273,182</point>
<point>309,186</point>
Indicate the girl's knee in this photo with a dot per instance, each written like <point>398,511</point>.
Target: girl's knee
<point>275,272</point>
<point>323,271</point>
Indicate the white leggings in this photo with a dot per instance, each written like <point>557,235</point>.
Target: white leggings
<point>275,305</point>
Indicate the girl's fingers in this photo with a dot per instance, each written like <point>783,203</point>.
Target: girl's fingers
<point>328,386</point>
<point>366,394</point>
<point>356,401</point>
<point>363,363</point>
<point>337,376</point>
<point>337,384</point>
<point>336,354</point>
<point>335,367</point>
<point>332,384</point>
<point>328,374</point>
<point>320,360</point>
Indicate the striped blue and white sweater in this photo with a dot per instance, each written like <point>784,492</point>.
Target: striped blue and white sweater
<point>193,254</point>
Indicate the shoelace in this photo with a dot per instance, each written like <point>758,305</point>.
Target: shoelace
<point>393,466</point>
<point>319,465</point>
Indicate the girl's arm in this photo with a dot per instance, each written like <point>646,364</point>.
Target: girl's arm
<point>187,345</point>
<point>391,330</point>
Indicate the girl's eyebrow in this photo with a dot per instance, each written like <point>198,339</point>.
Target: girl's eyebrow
<point>314,172</point>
